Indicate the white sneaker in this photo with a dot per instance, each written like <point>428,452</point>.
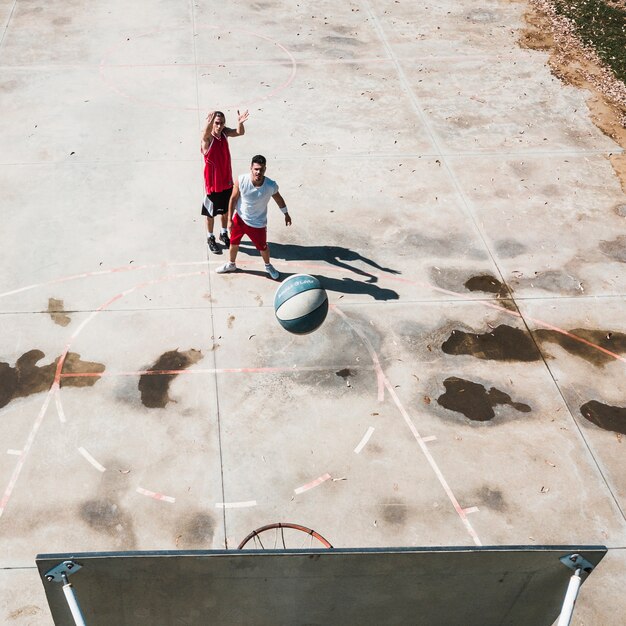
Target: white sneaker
<point>226,268</point>
<point>274,274</point>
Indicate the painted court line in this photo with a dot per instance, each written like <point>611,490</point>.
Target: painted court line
<point>155,496</point>
<point>409,422</point>
<point>235,505</point>
<point>91,460</point>
<point>312,484</point>
<point>29,444</point>
<point>14,452</point>
<point>428,439</point>
<point>214,370</point>
<point>59,405</point>
<point>366,438</point>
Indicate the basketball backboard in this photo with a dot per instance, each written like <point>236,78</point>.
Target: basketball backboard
<point>481,586</point>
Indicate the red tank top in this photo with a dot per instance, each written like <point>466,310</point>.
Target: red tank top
<point>218,174</point>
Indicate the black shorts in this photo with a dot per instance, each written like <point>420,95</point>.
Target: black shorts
<point>216,203</point>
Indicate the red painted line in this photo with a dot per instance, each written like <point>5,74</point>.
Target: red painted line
<point>115,270</point>
<point>312,484</point>
<point>320,266</point>
<point>155,495</point>
<point>57,377</point>
<point>29,444</point>
<point>213,370</point>
<point>619,357</point>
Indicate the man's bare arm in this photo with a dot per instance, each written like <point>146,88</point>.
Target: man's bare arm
<point>232,203</point>
<point>282,205</point>
<point>240,130</point>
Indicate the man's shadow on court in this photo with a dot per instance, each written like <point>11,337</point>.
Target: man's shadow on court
<point>334,255</point>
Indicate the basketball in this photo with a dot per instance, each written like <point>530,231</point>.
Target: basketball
<point>301,304</point>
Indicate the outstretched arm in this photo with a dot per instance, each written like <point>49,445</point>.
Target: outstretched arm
<point>240,130</point>
<point>232,203</point>
<point>282,205</point>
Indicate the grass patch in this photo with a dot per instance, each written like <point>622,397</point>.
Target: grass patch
<point>601,25</point>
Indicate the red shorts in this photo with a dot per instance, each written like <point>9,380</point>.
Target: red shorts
<point>258,236</point>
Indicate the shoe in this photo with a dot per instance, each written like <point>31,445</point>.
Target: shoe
<point>225,239</point>
<point>213,247</point>
<point>226,268</point>
<point>274,274</point>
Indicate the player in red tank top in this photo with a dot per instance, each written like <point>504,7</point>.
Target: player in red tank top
<point>218,175</point>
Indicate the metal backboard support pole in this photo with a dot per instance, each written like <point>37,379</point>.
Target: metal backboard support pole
<point>581,567</point>
<point>60,574</point>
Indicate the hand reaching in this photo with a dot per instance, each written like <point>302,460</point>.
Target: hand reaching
<point>242,117</point>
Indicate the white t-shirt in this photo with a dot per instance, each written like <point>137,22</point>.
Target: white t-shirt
<point>253,201</point>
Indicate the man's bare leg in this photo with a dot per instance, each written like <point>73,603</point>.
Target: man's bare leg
<point>233,253</point>
<point>269,268</point>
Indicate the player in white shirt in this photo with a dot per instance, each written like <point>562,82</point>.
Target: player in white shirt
<point>247,214</point>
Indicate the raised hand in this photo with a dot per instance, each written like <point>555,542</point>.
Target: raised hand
<point>242,117</point>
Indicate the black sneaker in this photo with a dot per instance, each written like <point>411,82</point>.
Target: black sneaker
<point>213,247</point>
<point>225,239</point>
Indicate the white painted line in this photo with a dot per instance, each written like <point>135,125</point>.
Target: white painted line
<point>27,446</point>
<point>313,483</point>
<point>91,460</point>
<point>14,452</point>
<point>471,509</point>
<point>430,438</point>
<point>155,496</point>
<point>235,505</point>
<point>60,411</point>
<point>409,422</point>
<point>366,438</point>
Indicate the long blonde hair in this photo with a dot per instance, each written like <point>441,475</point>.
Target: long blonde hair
<point>207,135</point>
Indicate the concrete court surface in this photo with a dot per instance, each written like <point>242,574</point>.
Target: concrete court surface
<point>454,198</point>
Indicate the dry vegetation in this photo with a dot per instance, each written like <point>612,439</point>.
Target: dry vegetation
<point>579,64</point>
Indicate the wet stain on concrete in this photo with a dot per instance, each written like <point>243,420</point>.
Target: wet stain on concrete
<point>344,373</point>
<point>28,610</point>
<point>394,512</point>
<point>615,249</point>
<point>620,210</point>
<point>488,284</point>
<point>342,41</point>
<point>607,339</point>
<point>605,416</point>
<point>197,531</point>
<point>452,245</point>
<point>503,343</point>
<point>27,378</point>
<point>8,86</point>
<point>480,16</point>
<point>491,498</point>
<point>554,281</point>
<point>230,321</point>
<point>509,248</point>
<point>106,517</point>
<point>154,388</point>
<point>474,401</point>
<point>56,310</point>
